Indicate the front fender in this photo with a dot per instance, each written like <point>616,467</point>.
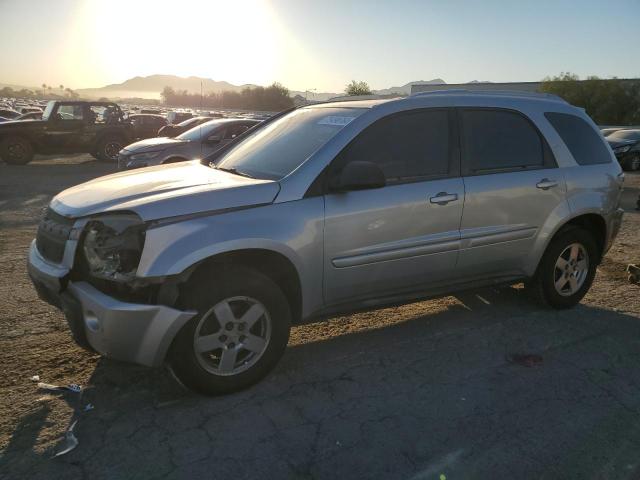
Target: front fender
<point>291,229</point>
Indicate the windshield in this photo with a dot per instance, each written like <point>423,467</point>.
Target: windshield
<point>277,149</point>
<point>625,135</point>
<point>47,111</point>
<point>199,132</point>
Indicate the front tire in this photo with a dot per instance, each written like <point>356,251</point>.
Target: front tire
<point>239,334</point>
<point>108,147</point>
<point>566,270</point>
<point>16,151</point>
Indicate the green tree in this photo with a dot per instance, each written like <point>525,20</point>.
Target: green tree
<point>607,102</point>
<point>357,88</point>
<point>168,95</point>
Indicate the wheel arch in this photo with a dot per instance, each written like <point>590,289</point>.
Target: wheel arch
<point>589,220</point>
<point>274,265</point>
<point>110,133</point>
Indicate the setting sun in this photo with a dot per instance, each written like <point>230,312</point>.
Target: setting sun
<point>235,41</point>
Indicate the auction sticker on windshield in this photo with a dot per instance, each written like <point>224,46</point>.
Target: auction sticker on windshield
<point>335,120</point>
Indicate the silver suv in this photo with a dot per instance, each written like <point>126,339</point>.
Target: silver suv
<point>327,209</point>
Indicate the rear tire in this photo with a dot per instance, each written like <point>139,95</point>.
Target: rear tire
<point>238,336</point>
<point>16,151</point>
<point>566,270</point>
<point>108,147</point>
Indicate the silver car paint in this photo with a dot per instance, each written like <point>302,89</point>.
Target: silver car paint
<point>348,245</point>
<point>168,191</point>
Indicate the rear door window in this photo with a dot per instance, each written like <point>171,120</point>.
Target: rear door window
<point>496,140</point>
<point>584,143</point>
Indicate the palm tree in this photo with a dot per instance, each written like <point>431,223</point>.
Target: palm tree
<point>61,86</point>
<point>44,88</point>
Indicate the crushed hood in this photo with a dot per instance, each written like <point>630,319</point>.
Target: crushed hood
<point>165,191</point>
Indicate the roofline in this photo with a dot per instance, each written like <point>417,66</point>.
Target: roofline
<point>489,93</point>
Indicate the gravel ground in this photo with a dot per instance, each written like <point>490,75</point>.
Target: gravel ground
<point>409,392</point>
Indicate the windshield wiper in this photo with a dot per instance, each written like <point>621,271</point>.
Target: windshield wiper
<point>234,171</point>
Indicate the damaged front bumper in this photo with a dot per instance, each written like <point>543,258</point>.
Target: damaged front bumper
<point>120,330</point>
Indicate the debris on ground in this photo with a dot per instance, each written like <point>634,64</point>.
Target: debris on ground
<point>72,387</point>
<point>88,407</point>
<point>526,360</point>
<point>634,273</point>
<point>70,441</point>
<point>35,378</point>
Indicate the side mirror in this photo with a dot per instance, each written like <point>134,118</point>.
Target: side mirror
<point>358,176</point>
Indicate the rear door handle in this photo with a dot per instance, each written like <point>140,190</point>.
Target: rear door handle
<point>546,184</point>
<point>443,198</point>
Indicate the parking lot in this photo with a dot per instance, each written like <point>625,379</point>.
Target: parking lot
<point>411,392</point>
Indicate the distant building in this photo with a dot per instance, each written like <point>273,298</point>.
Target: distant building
<point>485,86</point>
<point>489,86</point>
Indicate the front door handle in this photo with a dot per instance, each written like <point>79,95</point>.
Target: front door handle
<point>546,184</point>
<point>443,198</point>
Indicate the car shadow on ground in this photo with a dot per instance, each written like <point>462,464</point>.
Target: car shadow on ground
<point>434,393</point>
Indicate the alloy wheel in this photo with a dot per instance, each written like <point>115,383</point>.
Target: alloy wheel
<point>232,336</point>
<point>571,269</point>
<point>112,149</point>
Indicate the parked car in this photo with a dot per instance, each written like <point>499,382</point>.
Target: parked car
<point>30,116</point>
<point>324,210</point>
<point>9,114</point>
<point>197,142</point>
<point>626,146</point>
<point>146,125</point>
<point>24,110</point>
<point>174,118</point>
<point>97,128</point>
<point>175,130</point>
<point>608,131</point>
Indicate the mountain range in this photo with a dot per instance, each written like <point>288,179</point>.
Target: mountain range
<point>151,86</point>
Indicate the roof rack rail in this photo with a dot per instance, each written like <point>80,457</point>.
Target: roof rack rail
<point>506,93</point>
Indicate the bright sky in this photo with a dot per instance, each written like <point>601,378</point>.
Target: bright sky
<point>308,44</point>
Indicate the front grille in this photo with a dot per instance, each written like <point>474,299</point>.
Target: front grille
<point>53,233</point>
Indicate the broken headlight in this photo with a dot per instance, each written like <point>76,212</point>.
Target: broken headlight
<point>112,246</point>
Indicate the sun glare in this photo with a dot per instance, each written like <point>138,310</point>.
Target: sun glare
<point>224,40</point>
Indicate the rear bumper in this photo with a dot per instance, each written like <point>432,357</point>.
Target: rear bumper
<point>130,332</point>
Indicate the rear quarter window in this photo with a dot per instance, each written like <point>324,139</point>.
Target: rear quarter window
<point>584,143</point>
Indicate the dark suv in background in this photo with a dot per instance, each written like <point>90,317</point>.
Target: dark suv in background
<point>98,128</point>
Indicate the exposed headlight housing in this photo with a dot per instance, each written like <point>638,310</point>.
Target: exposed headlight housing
<point>112,246</point>
<point>622,149</point>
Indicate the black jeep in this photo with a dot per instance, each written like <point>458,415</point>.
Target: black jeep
<point>98,128</point>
